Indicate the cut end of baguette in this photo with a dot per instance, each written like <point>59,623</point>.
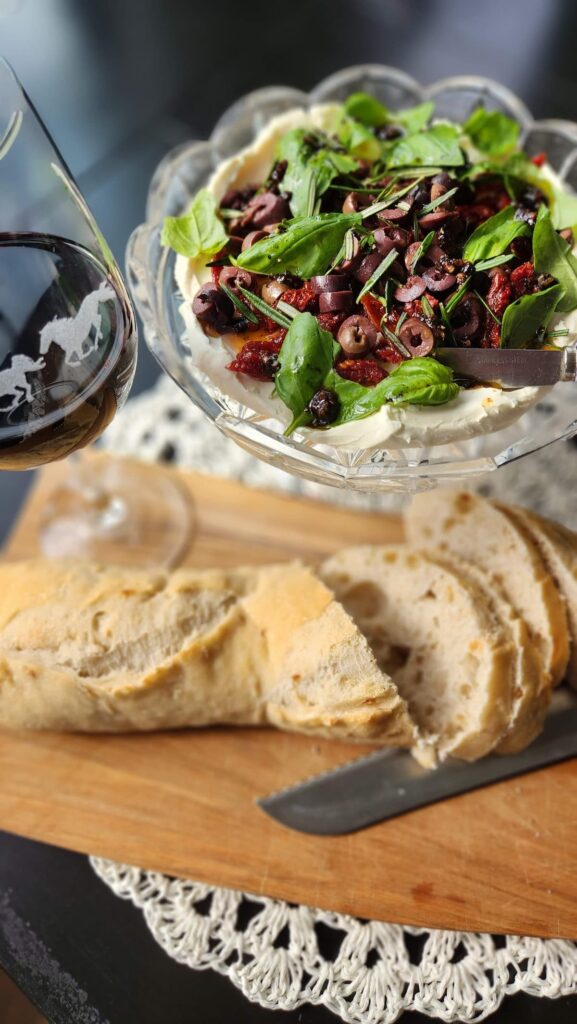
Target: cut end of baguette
<point>437,636</point>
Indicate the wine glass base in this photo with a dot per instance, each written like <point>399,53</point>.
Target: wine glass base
<point>115,511</point>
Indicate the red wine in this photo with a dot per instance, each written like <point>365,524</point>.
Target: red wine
<point>67,348</point>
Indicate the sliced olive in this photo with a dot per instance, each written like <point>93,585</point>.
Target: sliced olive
<point>437,280</point>
<point>368,266</point>
<point>355,201</point>
<point>466,318</point>
<point>384,242</point>
<point>335,302</point>
<point>357,335</point>
<point>266,208</point>
<point>392,213</point>
<point>417,337</point>
<point>212,307</point>
<point>252,238</point>
<point>413,289</point>
<point>329,283</point>
<point>434,219</point>
<point>232,277</point>
<point>272,290</point>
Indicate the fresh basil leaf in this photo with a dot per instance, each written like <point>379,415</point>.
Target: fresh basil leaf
<point>198,232</point>
<point>552,255</point>
<point>366,109</point>
<point>414,119</point>
<point>303,159</point>
<point>421,381</point>
<point>306,248</point>
<point>526,316</point>
<point>358,139</point>
<point>494,235</point>
<point>305,358</point>
<point>491,131</point>
<point>437,146</point>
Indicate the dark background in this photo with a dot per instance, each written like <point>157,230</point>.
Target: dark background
<point>118,83</point>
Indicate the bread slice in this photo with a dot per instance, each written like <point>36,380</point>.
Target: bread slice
<point>99,649</point>
<point>531,697</point>
<point>558,546</point>
<point>469,527</point>
<point>434,632</point>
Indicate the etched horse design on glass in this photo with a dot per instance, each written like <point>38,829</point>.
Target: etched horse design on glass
<point>71,333</point>
<point>14,383</point>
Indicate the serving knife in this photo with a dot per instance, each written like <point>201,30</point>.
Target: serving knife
<point>388,783</point>
<point>512,367</point>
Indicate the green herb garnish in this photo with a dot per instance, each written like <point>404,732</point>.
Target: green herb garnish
<point>491,131</point>
<point>238,303</point>
<point>429,207</point>
<point>306,358</point>
<point>198,232</point>
<point>264,308</point>
<point>525,317</point>
<point>306,248</point>
<point>552,255</point>
<point>439,145</point>
<point>494,235</point>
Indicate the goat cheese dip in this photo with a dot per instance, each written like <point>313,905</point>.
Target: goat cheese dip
<point>323,266</point>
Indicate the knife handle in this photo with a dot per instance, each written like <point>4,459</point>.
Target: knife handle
<point>569,364</point>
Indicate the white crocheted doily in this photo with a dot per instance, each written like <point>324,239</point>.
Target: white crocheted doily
<point>281,955</point>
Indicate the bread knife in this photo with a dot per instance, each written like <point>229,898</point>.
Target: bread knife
<point>388,783</point>
<point>512,367</point>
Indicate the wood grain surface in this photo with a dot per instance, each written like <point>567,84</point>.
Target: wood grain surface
<point>501,859</point>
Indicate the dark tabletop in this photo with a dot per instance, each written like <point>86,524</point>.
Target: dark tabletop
<point>119,82</point>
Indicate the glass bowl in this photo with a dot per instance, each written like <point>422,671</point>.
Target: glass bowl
<point>150,270</point>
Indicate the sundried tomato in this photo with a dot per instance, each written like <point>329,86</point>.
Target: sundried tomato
<point>388,354</point>
<point>374,309</point>
<point>523,279</point>
<point>331,321</point>
<point>258,359</point>
<point>539,159</point>
<point>500,292</point>
<point>361,371</point>
<point>491,337</point>
<point>304,299</point>
<point>492,194</point>
<point>215,273</point>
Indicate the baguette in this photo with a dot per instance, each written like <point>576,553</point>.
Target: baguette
<point>434,631</point>
<point>558,546</point>
<point>464,525</point>
<point>91,648</point>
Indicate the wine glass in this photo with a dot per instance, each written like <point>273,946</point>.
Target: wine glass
<point>68,345</point>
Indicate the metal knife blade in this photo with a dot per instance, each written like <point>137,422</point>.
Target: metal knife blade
<point>511,367</point>
<point>390,782</point>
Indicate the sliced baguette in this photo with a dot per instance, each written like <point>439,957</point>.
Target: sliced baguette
<point>469,527</point>
<point>558,546</point>
<point>90,648</point>
<point>435,633</point>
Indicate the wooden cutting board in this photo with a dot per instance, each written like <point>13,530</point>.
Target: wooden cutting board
<point>501,859</point>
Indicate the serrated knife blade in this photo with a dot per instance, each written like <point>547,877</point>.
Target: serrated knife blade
<point>388,783</point>
<point>512,367</point>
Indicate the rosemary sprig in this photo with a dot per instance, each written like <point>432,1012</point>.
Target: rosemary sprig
<point>239,304</point>
<point>263,307</point>
<point>488,308</point>
<point>495,261</point>
<point>395,342</point>
<point>449,338</point>
<point>457,296</point>
<point>426,307</point>
<point>378,273</point>
<point>429,207</point>
<point>287,309</point>
<point>420,252</point>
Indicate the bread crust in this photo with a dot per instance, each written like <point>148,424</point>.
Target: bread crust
<point>103,649</point>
